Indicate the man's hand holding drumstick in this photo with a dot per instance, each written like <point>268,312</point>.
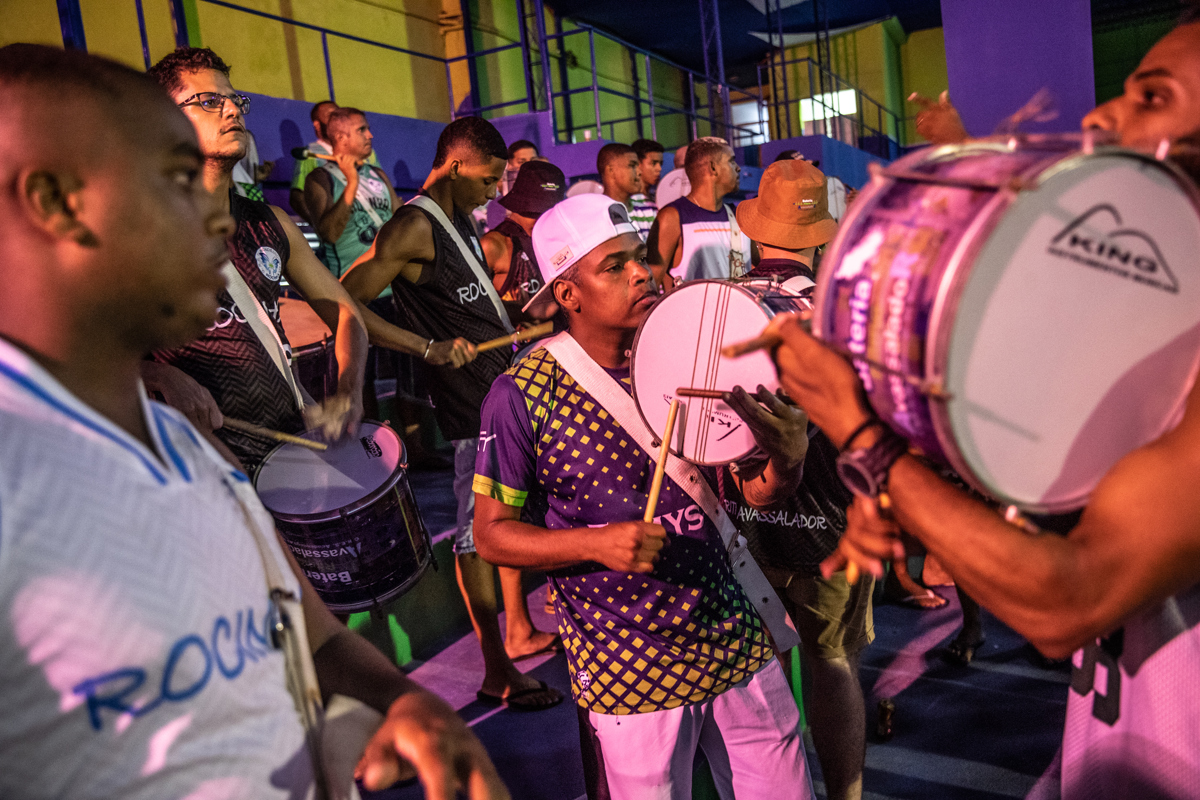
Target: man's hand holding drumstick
<point>825,385</point>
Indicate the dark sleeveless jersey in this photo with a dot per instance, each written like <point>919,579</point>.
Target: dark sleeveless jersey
<point>228,359</point>
<point>448,302</point>
<point>524,278</point>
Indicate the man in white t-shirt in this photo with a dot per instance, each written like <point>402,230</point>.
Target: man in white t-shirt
<point>137,655</point>
<point>1121,590</point>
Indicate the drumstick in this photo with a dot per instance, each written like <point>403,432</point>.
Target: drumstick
<point>707,394</point>
<point>514,338</point>
<point>278,436</point>
<point>660,469</point>
<point>769,341</point>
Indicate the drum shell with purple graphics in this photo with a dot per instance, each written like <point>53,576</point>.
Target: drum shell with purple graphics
<point>349,516</point>
<point>1023,311</point>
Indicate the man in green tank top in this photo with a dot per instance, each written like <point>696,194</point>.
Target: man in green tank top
<point>348,198</point>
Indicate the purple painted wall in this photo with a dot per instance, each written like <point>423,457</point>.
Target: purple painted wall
<point>837,158</point>
<point>999,54</point>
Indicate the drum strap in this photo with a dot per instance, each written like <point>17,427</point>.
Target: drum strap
<point>428,204</point>
<point>260,322</point>
<point>617,402</point>
<point>737,261</point>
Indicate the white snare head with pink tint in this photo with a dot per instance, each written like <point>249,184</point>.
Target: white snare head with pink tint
<point>679,345</point>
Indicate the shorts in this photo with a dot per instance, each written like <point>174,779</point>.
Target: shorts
<point>464,476</point>
<point>833,618</point>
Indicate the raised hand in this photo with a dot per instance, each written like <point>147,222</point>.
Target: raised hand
<point>938,120</point>
<point>336,417</point>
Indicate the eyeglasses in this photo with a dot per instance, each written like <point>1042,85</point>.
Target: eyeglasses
<point>214,101</point>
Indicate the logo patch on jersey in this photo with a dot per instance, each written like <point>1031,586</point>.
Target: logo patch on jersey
<point>584,678</point>
<point>269,263</point>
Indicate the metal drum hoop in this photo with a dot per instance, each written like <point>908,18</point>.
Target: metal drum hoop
<point>339,513</point>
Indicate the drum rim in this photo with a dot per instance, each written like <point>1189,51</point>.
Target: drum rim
<point>633,359</point>
<point>397,475</point>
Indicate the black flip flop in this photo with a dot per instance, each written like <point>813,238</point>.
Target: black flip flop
<point>489,699</point>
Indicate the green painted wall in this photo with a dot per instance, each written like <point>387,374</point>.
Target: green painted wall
<point>34,21</point>
<point>1116,53</point>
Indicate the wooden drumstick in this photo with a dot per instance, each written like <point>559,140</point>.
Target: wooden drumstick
<point>515,338</point>
<point>660,469</point>
<point>267,433</point>
<point>707,394</point>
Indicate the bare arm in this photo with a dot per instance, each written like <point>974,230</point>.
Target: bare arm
<point>662,245</point>
<point>396,202</point>
<point>296,200</point>
<point>402,248</point>
<point>1137,543</point>
<point>497,250</point>
<point>330,216</point>
<point>503,539</point>
<point>420,732</point>
<point>343,316</point>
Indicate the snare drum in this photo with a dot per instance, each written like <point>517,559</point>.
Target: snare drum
<point>679,344</point>
<point>1026,312</point>
<point>313,355</point>
<point>349,516</point>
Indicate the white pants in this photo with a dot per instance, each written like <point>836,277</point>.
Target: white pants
<point>750,735</point>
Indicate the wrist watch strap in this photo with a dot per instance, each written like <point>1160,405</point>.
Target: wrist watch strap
<point>864,470</point>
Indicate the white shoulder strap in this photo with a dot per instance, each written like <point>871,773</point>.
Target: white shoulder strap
<point>617,402</point>
<point>260,322</point>
<point>428,204</point>
<point>737,257</point>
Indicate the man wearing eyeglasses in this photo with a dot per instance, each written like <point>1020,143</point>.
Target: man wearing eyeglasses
<point>236,368</point>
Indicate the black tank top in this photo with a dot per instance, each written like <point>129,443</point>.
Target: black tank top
<point>524,278</point>
<point>228,359</point>
<point>447,302</point>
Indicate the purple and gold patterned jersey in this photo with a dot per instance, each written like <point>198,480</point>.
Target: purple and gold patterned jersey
<point>635,643</point>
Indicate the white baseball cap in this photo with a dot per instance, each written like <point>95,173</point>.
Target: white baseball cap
<point>569,231</point>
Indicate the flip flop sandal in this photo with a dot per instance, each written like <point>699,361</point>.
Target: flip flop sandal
<point>489,699</point>
<point>555,646</point>
<point>914,601</point>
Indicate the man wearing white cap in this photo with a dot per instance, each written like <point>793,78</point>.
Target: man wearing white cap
<point>666,651</point>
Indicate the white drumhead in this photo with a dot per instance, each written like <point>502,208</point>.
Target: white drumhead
<point>1076,336</point>
<point>679,344</point>
<point>295,480</point>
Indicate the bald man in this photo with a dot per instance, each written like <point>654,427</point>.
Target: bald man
<point>137,657</point>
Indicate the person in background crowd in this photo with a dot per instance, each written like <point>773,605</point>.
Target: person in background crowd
<point>508,248</point>
<point>491,213</point>
<point>138,659</point>
<point>617,165</point>
<point>250,172</point>
<point>697,236</point>
<point>349,199</point>
<point>434,263</point>
<point>302,167</point>
<point>1121,590</point>
<point>788,221</point>
<point>236,368</point>
<point>642,208</point>
<point>674,184</point>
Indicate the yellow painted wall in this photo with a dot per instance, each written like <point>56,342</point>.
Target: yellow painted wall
<point>34,21</point>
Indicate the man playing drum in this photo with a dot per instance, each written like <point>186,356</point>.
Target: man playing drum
<point>138,659</point>
<point>1122,589</point>
<point>241,362</point>
<point>444,291</point>
<point>666,651</point>
<point>788,221</point>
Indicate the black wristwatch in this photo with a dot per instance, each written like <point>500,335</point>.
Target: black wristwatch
<point>864,470</point>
